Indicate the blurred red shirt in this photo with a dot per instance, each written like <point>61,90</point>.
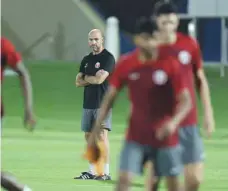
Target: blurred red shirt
<point>153,88</point>
<point>9,56</point>
<point>186,50</point>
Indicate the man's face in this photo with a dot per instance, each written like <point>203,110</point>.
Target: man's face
<point>167,23</point>
<point>95,41</point>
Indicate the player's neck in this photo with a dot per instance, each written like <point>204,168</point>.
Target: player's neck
<point>171,38</point>
<point>99,51</point>
<point>144,57</point>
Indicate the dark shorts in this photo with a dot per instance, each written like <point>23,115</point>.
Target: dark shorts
<point>89,116</point>
<point>192,145</point>
<point>167,161</point>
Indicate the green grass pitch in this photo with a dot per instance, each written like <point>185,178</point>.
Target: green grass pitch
<point>49,158</point>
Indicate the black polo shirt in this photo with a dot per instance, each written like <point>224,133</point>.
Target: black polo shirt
<point>93,93</point>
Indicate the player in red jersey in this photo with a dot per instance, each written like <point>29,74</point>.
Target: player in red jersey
<point>187,51</point>
<point>159,102</point>
<point>11,58</point>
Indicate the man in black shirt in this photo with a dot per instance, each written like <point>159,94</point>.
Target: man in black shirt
<point>94,71</point>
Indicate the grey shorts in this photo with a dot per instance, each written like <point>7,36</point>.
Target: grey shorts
<point>89,116</point>
<point>192,145</point>
<point>167,161</point>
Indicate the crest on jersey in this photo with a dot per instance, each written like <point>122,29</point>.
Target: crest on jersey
<point>159,77</point>
<point>97,65</point>
<point>86,65</point>
<point>184,57</point>
<point>134,76</point>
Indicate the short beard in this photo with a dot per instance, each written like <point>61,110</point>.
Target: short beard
<point>97,50</point>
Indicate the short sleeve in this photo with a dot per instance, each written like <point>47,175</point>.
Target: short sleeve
<point>11,55</point>
<point>82,66</point>
<point>196,56</point>
<point>13,59</point>
<point>177,78</point>
<point>109,65</point>
<point>117,78</point>
<point>6,46</point>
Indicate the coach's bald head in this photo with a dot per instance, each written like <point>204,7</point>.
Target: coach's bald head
<point>95,39</point>
<point>97,32</point>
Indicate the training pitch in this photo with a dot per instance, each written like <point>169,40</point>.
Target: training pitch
<point>49,158</point>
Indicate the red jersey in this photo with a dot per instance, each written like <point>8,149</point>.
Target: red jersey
<point>153,88</point>
<point>9,56</point>
<point>188,53</point>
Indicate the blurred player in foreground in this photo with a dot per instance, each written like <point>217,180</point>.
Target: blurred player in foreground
<point>187,51</point>
<point>94,71</point>
<point>159,102</point>
<point>11,58</point>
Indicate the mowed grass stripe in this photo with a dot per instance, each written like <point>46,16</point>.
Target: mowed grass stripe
<point>50,164</point>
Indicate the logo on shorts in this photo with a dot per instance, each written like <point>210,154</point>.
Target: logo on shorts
<point>159,77</point>
<point>97,65</point>
<point>134,76</point>
<point>184,57</point>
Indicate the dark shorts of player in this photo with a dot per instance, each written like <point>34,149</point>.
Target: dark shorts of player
<point>89,116</point>
<point>192,145</point>
<point>167,161</point>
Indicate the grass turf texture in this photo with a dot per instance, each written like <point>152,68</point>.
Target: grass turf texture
<point>49,158</point>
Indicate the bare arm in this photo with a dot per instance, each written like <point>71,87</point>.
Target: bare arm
<point>26,85</point>
<point>103,73</point>
<point>203,89</point>
<point>99,78</point>
<point>79,81</point>
<point>183,107</point>
<point>106,105</point>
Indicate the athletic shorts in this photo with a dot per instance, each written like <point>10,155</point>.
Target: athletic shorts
<point>89,116</point>
<point>167,161</point>
<point>192,145</point>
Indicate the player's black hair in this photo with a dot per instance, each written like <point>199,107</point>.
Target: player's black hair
<point>145,25</point>
<point>164,8</point>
